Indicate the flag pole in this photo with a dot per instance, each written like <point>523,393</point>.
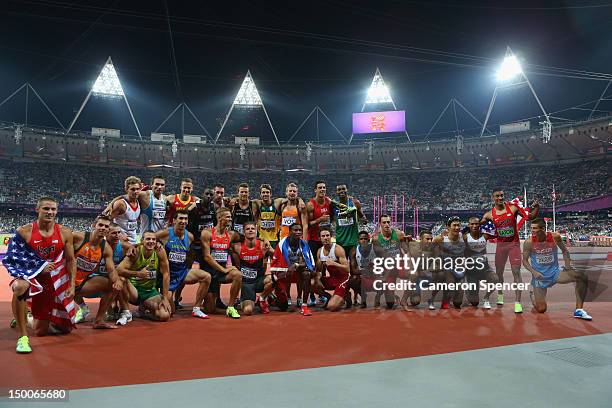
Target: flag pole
<point>554,215</point>
<point>525,198</point>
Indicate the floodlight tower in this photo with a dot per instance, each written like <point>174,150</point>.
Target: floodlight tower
<point>510,74</point>
<point>107,85</point>
<point>378,93</point>
<point>247,98</point>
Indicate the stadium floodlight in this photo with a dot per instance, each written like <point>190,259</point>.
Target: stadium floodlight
<point>247,94</point>
<point>378,92</point>
<point>247,97</point>
<point>510,74</point>
<point>108,83</point>
<point>509,69</point>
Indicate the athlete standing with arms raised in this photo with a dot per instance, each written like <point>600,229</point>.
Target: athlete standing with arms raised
<point>503,215</point>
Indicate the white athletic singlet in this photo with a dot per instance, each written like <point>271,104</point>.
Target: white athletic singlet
<point>476,247</point>
<point>331,256</point>
<point>365,264</point>
<point>128,221</point>
<point>454,249</point>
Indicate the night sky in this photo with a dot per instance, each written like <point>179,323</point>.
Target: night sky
<point>301,54</point>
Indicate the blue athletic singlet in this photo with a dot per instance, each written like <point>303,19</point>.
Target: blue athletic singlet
<point>545,260</point>
<point>177,254</point>
<point>117,258</point>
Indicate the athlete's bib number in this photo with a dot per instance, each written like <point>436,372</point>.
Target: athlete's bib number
<point>268,224</point>
<point>324,224</point>
<point>130,226</point>
<point>177,257</point>
<point>85,265</point>
<point>544,259</point>
<point>152,273</point>
<point>288,221</point>
<point>505,232</point>
<point>159,214</point>
<point>248,273</point>
<point>219,256</point>
<point>345,222</point>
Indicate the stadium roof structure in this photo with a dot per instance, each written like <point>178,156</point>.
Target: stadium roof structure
<point>183,107</point>
<point>247,97</point>
<point>107,85</point>
<point>318,113</point>
<point>27,88</point>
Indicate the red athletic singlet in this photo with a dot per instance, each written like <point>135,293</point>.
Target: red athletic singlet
<point>319,210</point>
<point>178,205</point>
<point>47,248</point>
<point>505,224</point>
<point>219,246</point>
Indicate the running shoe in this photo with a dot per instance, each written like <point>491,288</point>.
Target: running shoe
<point>81,314</point>
<point>23,345</point>
<point>500,299</point>
<point>237,304</point>
<point>312,302</point>
<point>289,301</point>
<point>124,318</point>
<point>430,305</point>
<point>298,303</point>
<point>486,304</point>
<point>582,314</point>
<point>305,311</point>
<point>518,308</point>
<point>197,312</point>
<point>322,300</point>
<point>13,323</point>
<point>264,307</point>
<point>231,312</point>
<point>445,305</point>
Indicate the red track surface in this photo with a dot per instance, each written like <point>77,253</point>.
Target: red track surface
<point>187,348</point>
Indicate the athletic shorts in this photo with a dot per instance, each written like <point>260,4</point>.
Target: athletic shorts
<point>549,280</point>
<point>250,290</point>
<point>145,294</point>
<point>281,286</point>
<point>217,278</point>
<point>508,250</point>
<point>337,283</point>
<point>177,278</point>
<point>457,276</point>
<point>78,288</point>
<point>195,254</point>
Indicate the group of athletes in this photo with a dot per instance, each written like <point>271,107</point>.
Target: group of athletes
<point>146,246</point>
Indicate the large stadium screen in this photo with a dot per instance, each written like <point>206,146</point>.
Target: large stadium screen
<point>379,122</point>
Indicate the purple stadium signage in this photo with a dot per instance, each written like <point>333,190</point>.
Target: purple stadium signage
<point>379,122</point>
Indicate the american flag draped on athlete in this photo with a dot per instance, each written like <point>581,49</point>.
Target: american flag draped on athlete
<point>22,262</point>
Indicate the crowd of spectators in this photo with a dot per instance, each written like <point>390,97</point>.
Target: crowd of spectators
<point>82,186</point>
